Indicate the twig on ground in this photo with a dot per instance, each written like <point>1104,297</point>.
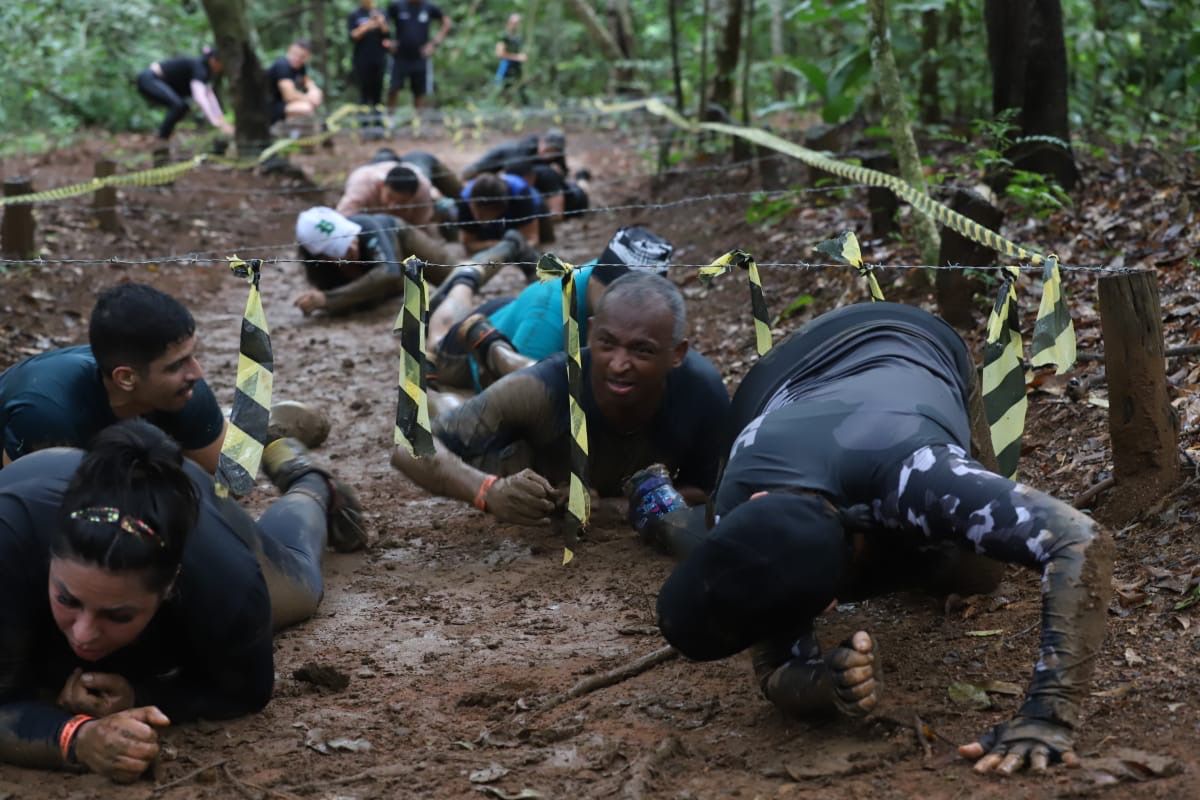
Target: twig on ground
<point>187,776</point>
<point>638,784</point>
<point>247,789</point>
<point>386,771</point>
<point>1085,499</point>
<point>614,676</point>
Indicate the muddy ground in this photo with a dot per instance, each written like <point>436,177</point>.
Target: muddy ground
<point>453,628</point>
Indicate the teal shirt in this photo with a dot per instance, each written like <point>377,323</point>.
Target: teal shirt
<point>533,321</point>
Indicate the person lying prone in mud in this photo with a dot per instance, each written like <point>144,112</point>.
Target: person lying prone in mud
<point>476,343</point>
<point>133,598</point>
<point>851,477</point>
<point>353,263</point>
<point>646,396</point>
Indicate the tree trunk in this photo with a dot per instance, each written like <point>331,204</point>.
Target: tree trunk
<point>1029,72</point>
<point>727,56</point>
<point>895,119</point>
<point>931,110</point>
<point>779,76</point>
<point>320,42</point>
<point>676,72</point>
<point>702,95</point>
<point>747,60</point>
<point>620,20</point>
<point>234,40</point>
<point>954,34</point>
<point>600,35</point>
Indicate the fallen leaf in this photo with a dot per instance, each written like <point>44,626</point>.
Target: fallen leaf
<point>1119,690</point>
<point>994,632</point>
<point>1002,687</point>
<point>1173,707</point>
<point>1127,764</point>
<point>969,695</point>
<point>349,745</point>
<point>493,772</point>
<point>1132,658</point>
<point>524,794</point>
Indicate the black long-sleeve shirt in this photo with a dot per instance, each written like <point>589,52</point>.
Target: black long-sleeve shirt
<point>206,653</point>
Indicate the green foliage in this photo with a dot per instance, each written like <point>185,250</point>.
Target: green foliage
<point>767,209</point>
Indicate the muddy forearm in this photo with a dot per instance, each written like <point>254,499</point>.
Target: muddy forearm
<point>29,735</point>
<point>443,474</point>
<point>376,285</point>
<point>1076,584</point>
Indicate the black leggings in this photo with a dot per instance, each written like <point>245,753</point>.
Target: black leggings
<point>156,90</point>
<point>289,542</point>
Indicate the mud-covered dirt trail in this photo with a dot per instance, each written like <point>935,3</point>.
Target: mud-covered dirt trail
<point>452,628</point>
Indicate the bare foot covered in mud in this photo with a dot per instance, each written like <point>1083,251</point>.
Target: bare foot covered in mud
<point>855,670</point>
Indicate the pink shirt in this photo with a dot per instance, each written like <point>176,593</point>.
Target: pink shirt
<point>364,193</point>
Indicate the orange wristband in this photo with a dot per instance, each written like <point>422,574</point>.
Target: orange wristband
<point>481,495</point>
<point>68,734</point>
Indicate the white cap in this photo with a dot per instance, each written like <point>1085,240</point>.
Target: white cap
<point>324,232</point>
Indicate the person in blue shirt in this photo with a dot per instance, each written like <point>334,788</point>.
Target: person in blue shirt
<point>141,362</point>
<point>490,205</point>
<point>505,334</point>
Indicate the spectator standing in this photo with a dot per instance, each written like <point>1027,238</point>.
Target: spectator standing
<point>508,50</point>
<point>412,47</point>
<point>369,32</point>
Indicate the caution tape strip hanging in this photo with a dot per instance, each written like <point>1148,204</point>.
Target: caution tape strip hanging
<point>758,304</point>
<point>550,267</point>
<point>845,250</point>
<point>241,452</point>
<point>1004,401</point>
<point>413,431</point>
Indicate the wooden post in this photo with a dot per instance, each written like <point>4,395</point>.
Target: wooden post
<point>955,290</point>
<point>1142,425</point>
<point>17,229</point>
<point>105,202</point>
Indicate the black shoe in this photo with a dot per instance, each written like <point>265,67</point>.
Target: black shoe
<point>285,461</point>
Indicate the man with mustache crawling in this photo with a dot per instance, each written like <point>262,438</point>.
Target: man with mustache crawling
<point>140,362</point>
<point>647,398</point>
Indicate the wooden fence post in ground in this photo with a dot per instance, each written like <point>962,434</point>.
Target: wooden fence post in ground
<point>17,229</point>
<point>1143,426</point>
<point>105,203</point>
<point>954,289</point>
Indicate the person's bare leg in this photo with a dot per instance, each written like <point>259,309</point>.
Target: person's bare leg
<point>458,303</point>
<point>503,359</point>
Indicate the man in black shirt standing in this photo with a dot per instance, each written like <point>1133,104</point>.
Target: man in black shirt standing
<point>512,60</point>
<point>412,48</point>
<point>290,91</point>
<point>369,30</point>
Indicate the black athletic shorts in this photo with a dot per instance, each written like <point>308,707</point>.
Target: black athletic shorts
<point>416,73</point>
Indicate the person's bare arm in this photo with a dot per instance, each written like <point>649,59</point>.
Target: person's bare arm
<point>529,230</point>
<point>289,92</point>
<point>209,456</point>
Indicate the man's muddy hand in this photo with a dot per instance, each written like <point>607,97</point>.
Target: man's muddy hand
<point>1021,742</point>
<point>522,499</point>
<point>855,671</point>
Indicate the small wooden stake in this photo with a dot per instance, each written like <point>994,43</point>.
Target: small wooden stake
<point>17,228</point>
<point>1143,427</point>
<point>105,203</point>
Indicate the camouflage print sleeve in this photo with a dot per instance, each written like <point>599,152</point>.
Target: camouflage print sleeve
<point>943,493</point>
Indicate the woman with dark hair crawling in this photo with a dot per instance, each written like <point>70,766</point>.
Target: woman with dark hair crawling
<point>132,597</point>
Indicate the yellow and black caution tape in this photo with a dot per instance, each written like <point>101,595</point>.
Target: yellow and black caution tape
<point>1004,393</point>
<point>579,502</point>
<point>242,450</point>
<point>1054,332</point>
<point>845,250</point>
<point>413,430</point>
<point>758,304</point>
<point>170,172</point>
<point>1004,400</point>
<point>148,177</point>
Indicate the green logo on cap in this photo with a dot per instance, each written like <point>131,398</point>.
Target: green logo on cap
<point>325,227</point>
